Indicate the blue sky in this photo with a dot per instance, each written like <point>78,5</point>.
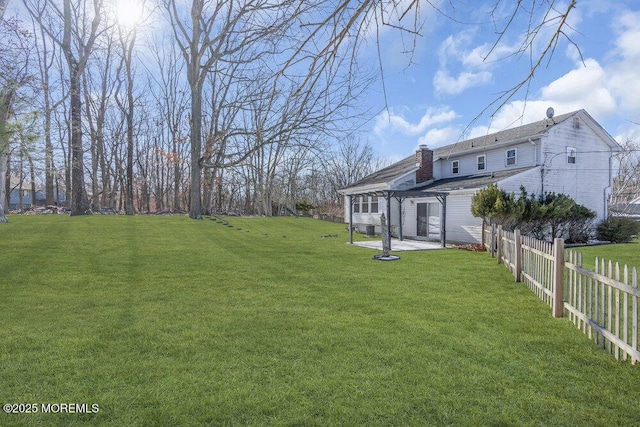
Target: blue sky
<point>434,94</point>
<point>435,99</point>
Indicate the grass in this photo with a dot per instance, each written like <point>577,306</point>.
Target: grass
<point>169,321</point>
<point>623,253</point>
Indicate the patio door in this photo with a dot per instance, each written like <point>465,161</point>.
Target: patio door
<point>429,220</point>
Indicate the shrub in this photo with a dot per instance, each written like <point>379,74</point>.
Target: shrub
<point>543,217</point>
<point>304,206</point>
<point>617,230</point>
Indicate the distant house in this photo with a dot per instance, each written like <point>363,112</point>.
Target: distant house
<point>428,195</point>
<point>21,195</point>
<point>631,209</point>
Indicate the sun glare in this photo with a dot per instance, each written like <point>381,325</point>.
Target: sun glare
<point>129,12</point>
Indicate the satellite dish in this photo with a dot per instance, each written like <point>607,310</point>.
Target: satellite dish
<point>550,113</point>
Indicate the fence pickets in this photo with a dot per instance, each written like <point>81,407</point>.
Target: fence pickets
<point>603,302</point>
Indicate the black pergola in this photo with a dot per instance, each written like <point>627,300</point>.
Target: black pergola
<point>400,196</point>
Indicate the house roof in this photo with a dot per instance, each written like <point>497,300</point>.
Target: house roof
<point>14,182</point>
<point>469,181</point>
<point>631,208</point>
<point>504,136</point>
<point>389,173</point>
<point>408,164</point>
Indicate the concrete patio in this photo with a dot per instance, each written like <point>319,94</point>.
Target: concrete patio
<point>400,246</point>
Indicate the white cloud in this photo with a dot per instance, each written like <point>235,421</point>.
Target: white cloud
<point>449,85</point>
<point>606,89</point>
<point>463,66</point>
<point>435,138</point>
<point>582,87</point>
<point>587,87</point>
<point>623,72</point>
<point>453,47</point>
<point>394,122</point>
<point>628,28</point>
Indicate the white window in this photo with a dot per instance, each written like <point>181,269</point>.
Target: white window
<point>482,162</point>
<point>571,155</point>
<point>356,205</point>
<point>374,204</point>
<point>455,166</point>
<point>511,157</point>
<point>365,204</point>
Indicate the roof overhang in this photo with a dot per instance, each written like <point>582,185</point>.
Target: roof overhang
<point>405,194</point>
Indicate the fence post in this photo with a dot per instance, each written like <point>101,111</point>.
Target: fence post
<point>499,239</point>
<point>492,247</point>
<point>518,254</point>
<point>558,282</point>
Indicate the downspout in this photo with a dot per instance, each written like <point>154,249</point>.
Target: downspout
<point>535,152</point>
<point>350,201</point>
<point>388,231</point>
<point>443,232</point>
<point>400,200</point>
<point>607,190</point>
<point>535,162</point>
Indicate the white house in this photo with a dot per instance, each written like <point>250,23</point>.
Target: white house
<point>428,195</point>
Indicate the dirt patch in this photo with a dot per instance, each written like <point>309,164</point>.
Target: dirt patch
<point>471,247</point>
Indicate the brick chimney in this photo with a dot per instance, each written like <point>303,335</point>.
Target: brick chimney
<point>424,161</point>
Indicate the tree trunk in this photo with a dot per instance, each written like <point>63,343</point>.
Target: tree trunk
<point>195,201</point>
<point>4,158</point>
<point>49,169</point>
<point>128,53</point>
<point>5,103</point>
<point>32,176</point>
<point>3,7</point>
<point>79,200</point>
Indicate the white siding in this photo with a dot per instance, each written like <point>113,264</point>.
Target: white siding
<point>409,217</point>
<point>587,180</point>
<point>527,154</point>
<point>462,227</point>
<point>529,179</point>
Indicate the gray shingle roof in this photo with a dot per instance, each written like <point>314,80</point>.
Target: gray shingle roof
<point>520,132</point>
<point>389,173</point>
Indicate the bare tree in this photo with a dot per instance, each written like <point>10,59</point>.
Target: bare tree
<point>79,33</point>
<point>99,86</point>
<point>3,7</point>
<point>46,58</point>
<point>350,161</point>
<point>127,40</point>
<point>626,184</point>
<point>14,77</point>
<point>170,94</point>
<point>214,32</point>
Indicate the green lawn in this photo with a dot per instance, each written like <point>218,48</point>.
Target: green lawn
<point>623,253</point>
<point>169,321</point>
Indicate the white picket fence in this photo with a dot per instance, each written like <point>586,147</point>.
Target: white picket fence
<point>603,302</point>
